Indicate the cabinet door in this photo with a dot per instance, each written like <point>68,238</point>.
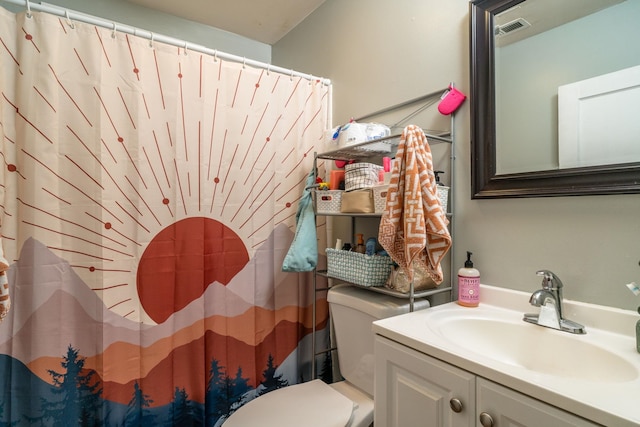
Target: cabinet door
<point>412,389</point>
<point>508,408</point>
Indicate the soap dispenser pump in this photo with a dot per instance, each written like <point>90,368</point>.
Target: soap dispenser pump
<point>468,284</point>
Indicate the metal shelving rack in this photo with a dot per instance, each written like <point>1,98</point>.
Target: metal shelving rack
<point>372,150</point>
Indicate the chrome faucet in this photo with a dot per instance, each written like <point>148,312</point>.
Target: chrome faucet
<point>550,299</point>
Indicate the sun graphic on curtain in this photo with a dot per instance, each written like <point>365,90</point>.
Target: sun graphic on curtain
<point>182,260</point>
<point>158,183</point>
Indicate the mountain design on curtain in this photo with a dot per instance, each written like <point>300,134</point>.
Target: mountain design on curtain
<point>148,197</point>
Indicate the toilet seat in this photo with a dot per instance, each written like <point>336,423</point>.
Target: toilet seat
<point>312,404</point>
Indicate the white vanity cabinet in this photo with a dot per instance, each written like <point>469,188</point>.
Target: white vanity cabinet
<point>500,406</point>
<point>413,389</point>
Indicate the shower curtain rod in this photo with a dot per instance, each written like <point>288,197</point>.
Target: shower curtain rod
<point>81,17</point>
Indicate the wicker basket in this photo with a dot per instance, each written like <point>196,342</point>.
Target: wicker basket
<point>380,197</point>
<point>443,196</point>
<point>360,269</point>
<point>328,201</point>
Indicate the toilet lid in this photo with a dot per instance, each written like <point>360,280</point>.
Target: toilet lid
<point>305,404</point>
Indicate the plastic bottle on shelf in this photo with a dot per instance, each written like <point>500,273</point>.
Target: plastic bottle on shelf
<point>468,284</point>
<point>370,246</point>
<point>360,247</point>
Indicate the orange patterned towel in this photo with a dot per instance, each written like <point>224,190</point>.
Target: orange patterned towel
<point>414,225</point>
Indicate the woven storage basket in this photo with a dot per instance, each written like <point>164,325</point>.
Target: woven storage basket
<point>360,269</point>
<point>380,197</point>
<point>443,195</point>
<point>361,175</point>
<point>328,201</point>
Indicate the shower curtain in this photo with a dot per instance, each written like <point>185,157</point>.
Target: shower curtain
<point>148,197</point>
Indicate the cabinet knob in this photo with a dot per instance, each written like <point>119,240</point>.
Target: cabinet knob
<point>486,420</point>
<point>456,405</point>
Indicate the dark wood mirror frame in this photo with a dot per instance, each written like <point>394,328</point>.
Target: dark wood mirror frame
<point>485,184</point>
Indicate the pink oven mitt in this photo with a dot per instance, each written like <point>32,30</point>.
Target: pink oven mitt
<point>451,100</point>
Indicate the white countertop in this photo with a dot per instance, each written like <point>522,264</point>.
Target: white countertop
<point>611,403</point>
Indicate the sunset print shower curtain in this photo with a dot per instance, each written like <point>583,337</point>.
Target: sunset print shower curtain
<point>148,196</point>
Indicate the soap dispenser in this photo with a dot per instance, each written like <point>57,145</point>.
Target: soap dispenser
<point>468,284</point>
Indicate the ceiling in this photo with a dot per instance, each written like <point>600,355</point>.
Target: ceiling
<point>266,21</point>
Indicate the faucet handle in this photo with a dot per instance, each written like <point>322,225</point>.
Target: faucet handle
<point>549,279</point>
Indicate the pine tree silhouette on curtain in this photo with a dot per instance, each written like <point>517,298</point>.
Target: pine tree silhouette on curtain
<point>78,394</point>
<point>138,412</point>
<point>183,413</point>
<point>272,381</point>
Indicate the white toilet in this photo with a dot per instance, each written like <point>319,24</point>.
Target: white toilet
<point>345,403</point>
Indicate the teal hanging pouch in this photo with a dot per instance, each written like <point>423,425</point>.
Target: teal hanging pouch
<point>303,253</point>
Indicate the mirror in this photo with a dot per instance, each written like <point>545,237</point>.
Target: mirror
<point>514,97</point>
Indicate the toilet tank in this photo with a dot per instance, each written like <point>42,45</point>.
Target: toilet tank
<point>353,310</point>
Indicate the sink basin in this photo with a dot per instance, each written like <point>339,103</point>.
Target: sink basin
<point>595,376</point>
<point>502,335</point>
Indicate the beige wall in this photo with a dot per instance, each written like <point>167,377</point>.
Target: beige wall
<point>382,52</point>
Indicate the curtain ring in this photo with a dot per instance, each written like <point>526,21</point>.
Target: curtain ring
<point>66,15</point>
<point>310,79</point>
<point>244,62</point>
<point>291,75</point>
<point>113,32</point>
<point>29,9</point>
<point>268,69</point>
<point>151,40</point>
<point>185,48</point>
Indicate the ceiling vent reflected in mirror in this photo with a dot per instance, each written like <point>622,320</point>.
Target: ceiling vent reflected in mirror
<point>510,27</point>
<point>531,17</point>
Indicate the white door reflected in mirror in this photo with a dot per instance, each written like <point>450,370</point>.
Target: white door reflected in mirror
<point>594,112</point>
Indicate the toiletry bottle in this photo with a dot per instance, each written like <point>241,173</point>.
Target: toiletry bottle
<point>360,247</point>
<point>371,245</point>
<point>386,167</point>
<point>468,284</point>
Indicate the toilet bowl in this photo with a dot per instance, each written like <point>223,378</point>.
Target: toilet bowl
<point>345,403</point>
